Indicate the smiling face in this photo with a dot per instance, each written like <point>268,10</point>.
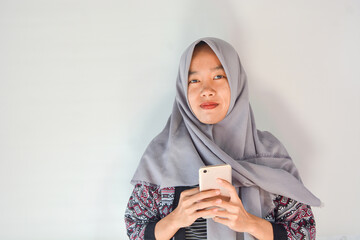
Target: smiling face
<point>208,87</point>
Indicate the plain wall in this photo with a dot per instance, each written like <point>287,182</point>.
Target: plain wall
<point>86,85</point>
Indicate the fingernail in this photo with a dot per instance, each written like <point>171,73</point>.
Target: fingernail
<point>218,201</point>
<point>217,192</point>
<point>218,180</point>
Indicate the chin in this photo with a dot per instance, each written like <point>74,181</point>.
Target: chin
<point>210,118</point>
<point>205,122</point>
<point>210,121</point>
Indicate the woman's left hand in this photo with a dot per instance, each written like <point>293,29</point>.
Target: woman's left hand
<point>234,216</point>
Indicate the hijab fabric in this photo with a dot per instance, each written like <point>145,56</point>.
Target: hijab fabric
<point>261,166</point>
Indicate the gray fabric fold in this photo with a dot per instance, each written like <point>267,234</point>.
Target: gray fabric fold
<point>216,231</point>
<point>261,166</point>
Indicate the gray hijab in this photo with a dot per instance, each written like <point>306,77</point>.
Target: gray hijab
<point>261,166</point>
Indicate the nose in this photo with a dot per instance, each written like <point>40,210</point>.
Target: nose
<point>207,91</point>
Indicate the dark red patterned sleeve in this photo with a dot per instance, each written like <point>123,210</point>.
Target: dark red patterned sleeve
<point>296,218</point>
<point>142,209</point>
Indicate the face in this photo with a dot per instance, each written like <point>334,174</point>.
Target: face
<point>208,87</point>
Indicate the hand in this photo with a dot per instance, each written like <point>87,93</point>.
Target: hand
<point>234,214</point>
<point>237,218</point>
<point>192,205</point>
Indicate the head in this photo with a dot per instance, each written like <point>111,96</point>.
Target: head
<point>208,87</point>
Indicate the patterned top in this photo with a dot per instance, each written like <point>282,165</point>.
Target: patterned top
<point>149,203</point>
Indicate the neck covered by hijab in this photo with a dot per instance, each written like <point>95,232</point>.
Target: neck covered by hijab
<point>261,166</point>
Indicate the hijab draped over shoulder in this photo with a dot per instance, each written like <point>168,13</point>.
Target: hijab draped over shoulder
<point>261,166</point>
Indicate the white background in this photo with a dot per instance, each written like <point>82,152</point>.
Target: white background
<point>86,85</point>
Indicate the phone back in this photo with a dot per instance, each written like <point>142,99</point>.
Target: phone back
<point>209,174</point>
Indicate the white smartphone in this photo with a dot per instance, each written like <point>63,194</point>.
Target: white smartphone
<point>208,176</point>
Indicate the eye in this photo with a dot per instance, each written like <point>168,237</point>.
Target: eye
<point>193,81</point>
<point>219,77</point>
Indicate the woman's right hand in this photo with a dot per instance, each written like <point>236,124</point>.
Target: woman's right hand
<point>192,205</point>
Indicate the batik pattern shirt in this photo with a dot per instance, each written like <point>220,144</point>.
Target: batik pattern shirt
<point>149,203</point>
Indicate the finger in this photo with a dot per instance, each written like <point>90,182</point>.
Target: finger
<point>185,195</point>
<point>203,205</point>
<point>204,194</point>
<point>203,213</point>
<point>223,214</point>
<point>228,186</point>
<point>190,200</point>
<point>190,192</point>
<point>230,207</point>
<point>224,221</point>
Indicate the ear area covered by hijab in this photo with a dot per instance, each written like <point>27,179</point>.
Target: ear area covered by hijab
<point>259,161</point>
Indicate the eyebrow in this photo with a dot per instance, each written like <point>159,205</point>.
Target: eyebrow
<point>212,69</point>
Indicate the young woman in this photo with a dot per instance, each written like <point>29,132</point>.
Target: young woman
<point>212,123</point>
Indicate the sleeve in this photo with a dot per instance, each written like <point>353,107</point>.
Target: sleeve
<point>295,217</point>
<point>142,212</point>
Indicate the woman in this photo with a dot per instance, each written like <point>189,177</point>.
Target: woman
<point>212,123</point>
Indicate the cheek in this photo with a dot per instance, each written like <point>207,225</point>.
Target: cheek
<point>226,98</point>
<point>191,97</point>
<point>226,94</point>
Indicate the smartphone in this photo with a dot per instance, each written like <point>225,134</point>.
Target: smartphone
<point>208,176</point>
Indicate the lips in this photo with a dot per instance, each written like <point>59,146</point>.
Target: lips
<point>209,105</point>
